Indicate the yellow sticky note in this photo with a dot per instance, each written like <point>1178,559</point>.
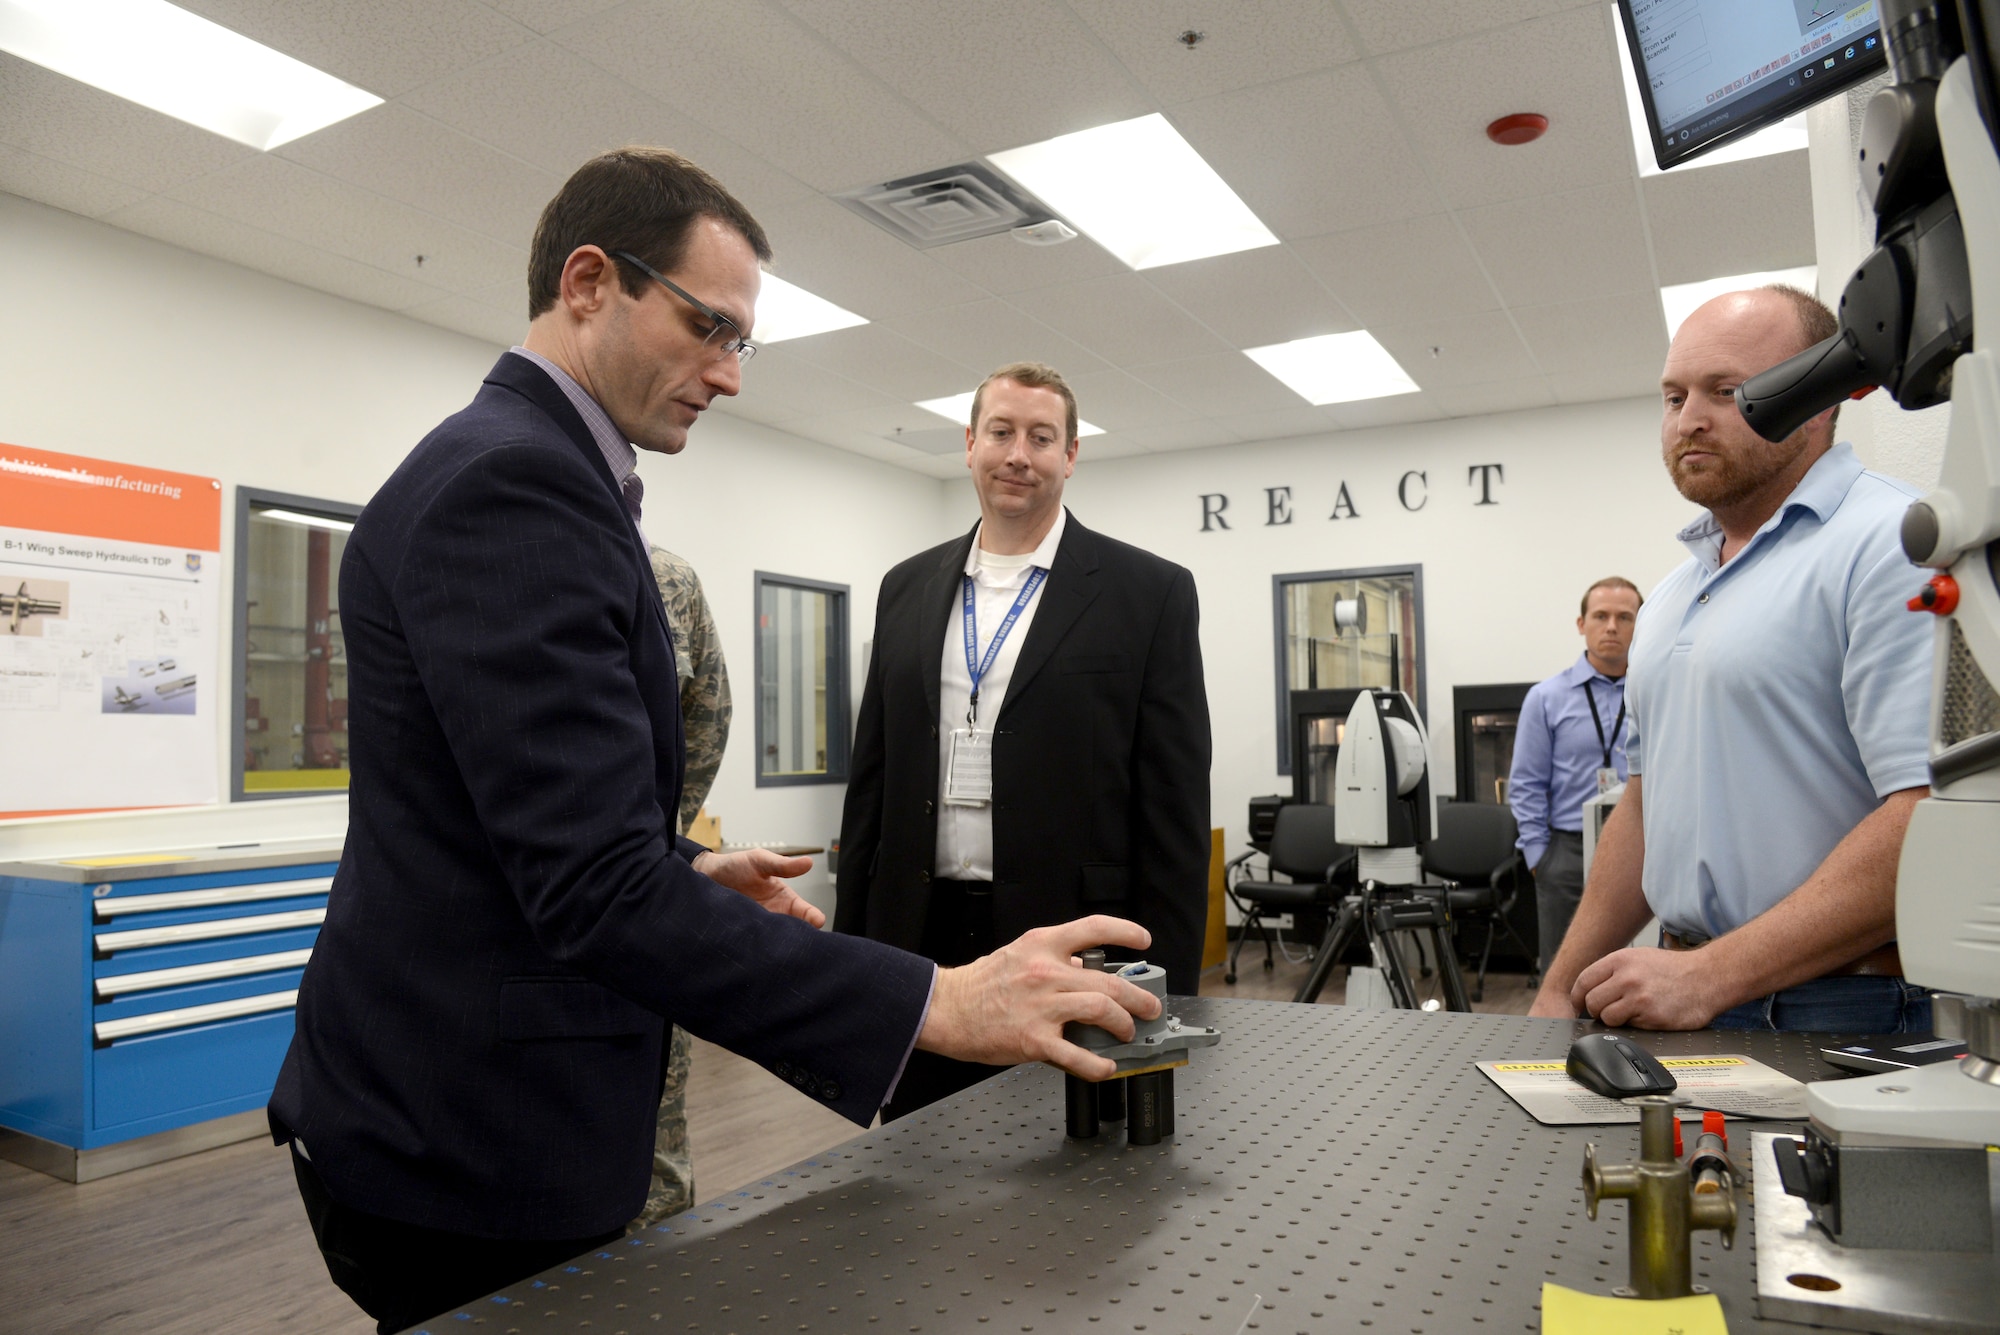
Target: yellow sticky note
<point>128,860</point>
<point>1567,1312</point>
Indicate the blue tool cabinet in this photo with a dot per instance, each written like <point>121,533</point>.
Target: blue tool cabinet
<point>138,999</point>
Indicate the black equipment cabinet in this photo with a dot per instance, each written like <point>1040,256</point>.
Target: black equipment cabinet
<point>1483,721</point>
<point>1317,720</point>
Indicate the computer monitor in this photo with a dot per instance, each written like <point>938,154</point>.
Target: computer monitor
<point>1713,71</point>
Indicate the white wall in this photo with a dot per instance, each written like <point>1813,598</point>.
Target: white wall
<point>124,348</point>
<point>1585,496</point>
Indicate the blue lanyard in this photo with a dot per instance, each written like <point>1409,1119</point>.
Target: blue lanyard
<point>978,670</point>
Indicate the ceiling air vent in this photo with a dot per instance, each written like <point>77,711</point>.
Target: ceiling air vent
<point>936,208</point>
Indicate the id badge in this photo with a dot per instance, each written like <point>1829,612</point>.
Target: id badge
<point>968,781</point>
<point>1607,779</point>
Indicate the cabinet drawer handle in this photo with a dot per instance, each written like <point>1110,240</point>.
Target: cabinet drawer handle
<point>215,894</point>
<point>119,984</point>
<point>109,1030</point>
<point>136,937</point>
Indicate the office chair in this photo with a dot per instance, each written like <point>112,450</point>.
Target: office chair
<point>1304,850</point>
<point>1474,856</point>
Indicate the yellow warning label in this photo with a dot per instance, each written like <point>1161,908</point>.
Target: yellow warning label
<point>1701,1061</point>
<point>128,860</point>
<point>1529,1066</point>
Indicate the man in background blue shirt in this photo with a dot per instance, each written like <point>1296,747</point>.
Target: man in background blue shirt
<point>1568,748</point>
<point>1780,700</point>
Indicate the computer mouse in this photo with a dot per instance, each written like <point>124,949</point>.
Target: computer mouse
<point>1616,1067</point>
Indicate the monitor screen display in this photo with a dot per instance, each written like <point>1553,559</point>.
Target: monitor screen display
<point>1711,71</point>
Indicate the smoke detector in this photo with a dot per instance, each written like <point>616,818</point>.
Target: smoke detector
<point>957,203</point>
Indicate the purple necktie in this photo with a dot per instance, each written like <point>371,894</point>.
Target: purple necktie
<point>633,491</point>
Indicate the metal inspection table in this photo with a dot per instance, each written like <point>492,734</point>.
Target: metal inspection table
<point>1332,1169</point>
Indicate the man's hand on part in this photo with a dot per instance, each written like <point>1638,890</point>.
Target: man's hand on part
<point>1648,989</point>
<point>757,874</point>
<point>1010,1006</point>
<point>1553,1004</point>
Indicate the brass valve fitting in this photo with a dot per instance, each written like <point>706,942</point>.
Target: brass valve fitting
<point>1665,1210</point>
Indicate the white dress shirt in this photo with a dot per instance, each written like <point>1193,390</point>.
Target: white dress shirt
<point>965,834</point>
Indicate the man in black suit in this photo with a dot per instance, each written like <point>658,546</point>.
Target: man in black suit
<point>470,1093</point>
<point>1033,741</point>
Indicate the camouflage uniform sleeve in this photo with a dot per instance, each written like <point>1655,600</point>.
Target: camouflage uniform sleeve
<point>704,677</point>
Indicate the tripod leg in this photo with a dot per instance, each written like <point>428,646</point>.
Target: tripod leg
<point>1338,936</point>
<point>1453,980</point>
<point>1390,960</point>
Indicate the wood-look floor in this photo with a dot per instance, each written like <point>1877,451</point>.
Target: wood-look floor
<point>217,1242</point>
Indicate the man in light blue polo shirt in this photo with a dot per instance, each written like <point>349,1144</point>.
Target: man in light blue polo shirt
<point>1568,747</point>
<point>1779,696</point>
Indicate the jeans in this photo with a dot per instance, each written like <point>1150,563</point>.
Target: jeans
<point>1843,1005</point>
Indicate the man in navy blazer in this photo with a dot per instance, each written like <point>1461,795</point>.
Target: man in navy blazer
<point>471,1091</point>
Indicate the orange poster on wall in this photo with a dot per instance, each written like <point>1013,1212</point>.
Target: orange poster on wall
<point>110,652</point>
<point>90,498</point>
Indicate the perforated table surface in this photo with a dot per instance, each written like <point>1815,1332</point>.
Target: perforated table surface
<point>1332,1169</point>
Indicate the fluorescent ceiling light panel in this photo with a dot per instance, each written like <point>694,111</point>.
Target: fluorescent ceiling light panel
<point>1139,190</point>
<point>786,310</point>
<point>163,57</point>
<point>301,517</point>
<point>957,409</point>
<point>1680,300</point>
<point>1787,135</point>
<point>1335,368</point>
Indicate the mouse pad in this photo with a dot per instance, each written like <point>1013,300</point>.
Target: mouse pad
<point>1737,1086</point>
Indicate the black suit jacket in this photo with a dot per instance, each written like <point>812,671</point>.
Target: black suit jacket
<point>1100,754</point>
<point>481,1028</point>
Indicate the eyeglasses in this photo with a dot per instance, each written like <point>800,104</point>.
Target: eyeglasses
<point>724,339</point>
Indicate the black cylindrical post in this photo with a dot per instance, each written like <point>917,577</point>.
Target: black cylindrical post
<point>1142,1109</point>
<point>1080,1097</point>
<point>1111,1100</point>
<point>1167,1102</point>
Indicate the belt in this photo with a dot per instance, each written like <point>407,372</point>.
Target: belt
<point>1884,962</point>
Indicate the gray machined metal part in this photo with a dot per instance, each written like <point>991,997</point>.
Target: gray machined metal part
<point>1332,1167</point>
<point>1907,1197</point>
<point>1165,1041</point>
<point>1802,1275</point>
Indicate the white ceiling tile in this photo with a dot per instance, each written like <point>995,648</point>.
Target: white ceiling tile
<point>1241,45</point>
<point>873,447</point>
<point>1227,385</point>
<point>1301,419</point>
<point>1593,386</point>
<point>255,248</point>
<point>1739,217</point>
<point>1391,25</point>
<point>32,176</point>
<point>415,160</point>
<point>1565,67</point>
<point>985,335</point>
<point>548,15</point>
<point>1499,396</point>
<point>1393,411</point>
<point>754,407</point>
<point>1186,434</point>
<point>1470,349</point>
<point>905,425</point>
<point>385,46</point>
<point>752,71</point>
<point>1004,266</point>
<point>1253,297</point>
<point>1603,333</point>
<point>70,122</point>
<point>879,357</point>
<point>1420,268</point>
<point>474,318</point>
<point>834,254</point>
<point>550,107</point>
<point>1119,402</point>
<point>781,381</point>
<point>280,196</point>
<point>996,76</point>
<point>1563,247</point>
<point>1099,448</point>
<point>1319,153</point>
<point>1123,319</point>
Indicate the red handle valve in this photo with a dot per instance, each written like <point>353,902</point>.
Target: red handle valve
<point>1940,596</point>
